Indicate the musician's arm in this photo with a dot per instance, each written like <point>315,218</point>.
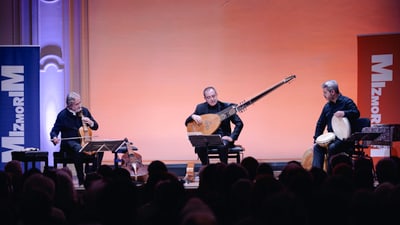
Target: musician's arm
<point>235,119</point>
<point>351,111</point>
<point>56,130</point>
<point>93,125</point>
<point>197,112</point>
<point>321,124</point>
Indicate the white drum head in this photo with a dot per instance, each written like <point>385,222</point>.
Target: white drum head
<point>341,127</point>
<point>325,138</point>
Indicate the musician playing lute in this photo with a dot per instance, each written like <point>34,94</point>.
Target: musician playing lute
<point>215,125</point>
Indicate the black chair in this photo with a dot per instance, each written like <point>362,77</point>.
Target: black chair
<point>359,145</point>
<point>64,158</point>
<point>361,123</point>
<point>235,152</point>
<point>355,144</point>
<point>358,155</point>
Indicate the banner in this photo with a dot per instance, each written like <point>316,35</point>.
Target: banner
<point>19,98</point>
<point>379,85</point>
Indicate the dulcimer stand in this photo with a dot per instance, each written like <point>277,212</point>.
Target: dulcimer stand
<point>359,139</point>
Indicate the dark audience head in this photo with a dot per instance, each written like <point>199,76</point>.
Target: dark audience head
<point>31,172</point>
<point>387,171</point>
<point>343,169</point>
<point>264,187</point>
<point>341,158</point>
<point>232,173</point>
<point>211,177</point>
<point>319,176</point>
<point>251,165</point>
<point>169,198</point>
<point>13,167</point>
<point>396,159</point>
<point>362,201</point>
<point>7,203</point>
<point>265,168</point>
<point>239,201</point>
<point>65,196</point>
<point>121,175</point>
<point>14,170</point>
<point>297,179</point>
<point>156,166</point>
<point>67,170</point>
<point>364,173</point>
<point>289,170</point>
<point>105,171</point>
<point>37,205</point>
<point>117,199</point>
<point>196,212</point>
<point>169,191</point>
<point>5,186</point>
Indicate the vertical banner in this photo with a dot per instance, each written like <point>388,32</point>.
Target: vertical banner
<point>379,87</point>
<point>19,98</point>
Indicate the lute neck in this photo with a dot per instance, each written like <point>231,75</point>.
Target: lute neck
<point>233,109</point>
<point>228,112</point>
<point>243,106</point>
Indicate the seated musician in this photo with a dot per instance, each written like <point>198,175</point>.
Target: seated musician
<point>337,106</point>
<point>70,122</point>
<point>213,105</point>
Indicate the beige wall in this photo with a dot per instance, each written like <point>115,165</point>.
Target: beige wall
<point>150,60</point>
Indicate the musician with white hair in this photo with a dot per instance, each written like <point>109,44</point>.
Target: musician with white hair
<point>338,108</point>
<point>71,123</point>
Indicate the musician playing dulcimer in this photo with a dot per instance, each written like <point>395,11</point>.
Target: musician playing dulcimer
<point>75,124</point>
<point>340,110</point>
<point>212,106</point>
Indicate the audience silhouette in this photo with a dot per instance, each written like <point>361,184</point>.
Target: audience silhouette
<point>355,193</point>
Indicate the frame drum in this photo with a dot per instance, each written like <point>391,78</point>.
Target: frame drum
<point>323,140</point>
<point>341,127</point>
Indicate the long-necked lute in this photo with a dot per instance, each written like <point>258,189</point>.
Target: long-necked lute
<point>211,121</point>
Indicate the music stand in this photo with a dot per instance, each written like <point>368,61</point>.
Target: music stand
<point>205,140</point>
<point>97,146</point>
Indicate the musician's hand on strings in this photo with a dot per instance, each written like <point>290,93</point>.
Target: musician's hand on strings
<point>196,118</point>
<point>87,121</point>
<point>339,114</point>
<point>55,140</point>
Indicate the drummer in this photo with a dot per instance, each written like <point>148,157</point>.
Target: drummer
<point>337,106</point>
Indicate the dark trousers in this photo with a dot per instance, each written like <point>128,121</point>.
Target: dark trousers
<point>202,152</point>
<point>335,147</point>
<point>79,159</point>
